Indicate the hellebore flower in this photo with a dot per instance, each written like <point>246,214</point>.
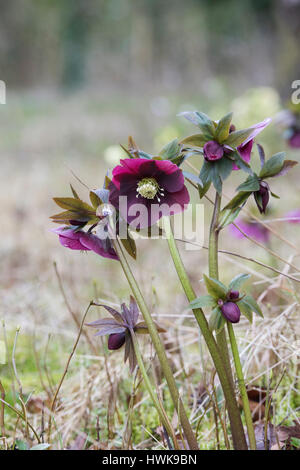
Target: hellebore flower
<point>120,327</point>
<point>251,228</point>
<point>85,241</point>
<point>213,151</point>
<point>262,196</point>
<point>293,217</point>
<point>245,148</point>
<point>231,312</point>
<point>294,139</point>
<point>153,188</point>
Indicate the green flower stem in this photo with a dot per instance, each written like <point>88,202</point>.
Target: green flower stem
<point>159,348</point>
<point>214,272</point>
<point>238,436</point>
<point>242,387</point>
<point>150,390</point>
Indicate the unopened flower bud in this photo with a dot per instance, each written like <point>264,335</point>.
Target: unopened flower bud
<point>231,312</point>
<point>116,341</point>
<point>262,197</point>
<point>233,294</point>
<point>213,151</point>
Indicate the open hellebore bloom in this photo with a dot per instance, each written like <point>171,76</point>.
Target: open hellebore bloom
<point>145,190</point>
<point>119,328</point>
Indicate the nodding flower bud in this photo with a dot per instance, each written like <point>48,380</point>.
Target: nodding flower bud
<point>233,294</point>
<point>116,341</point>
<point>231,312</point>
<point>262,197</point>
<point>213,151</point>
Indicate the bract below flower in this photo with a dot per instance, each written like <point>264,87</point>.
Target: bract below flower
<point>120,327</point>
<point>149,189</point>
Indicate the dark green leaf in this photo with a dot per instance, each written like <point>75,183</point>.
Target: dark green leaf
<point>237,281</point>
<point>227,216</point>
<point>246,310</point>
<point>95,199</point>
<point>216,320</point>
<point>249,300</point>
<point>222,130</point>
<point>129,245</point>
<point>196,140</point>
<point>203,301</point>
<point>203,190</point>
<point>171,150</point>
<point>262,156</point>
<point>203,122</point>
<point>251,184</point>
<point>223,167</point>
<point>272,166</point>
<point>236,138</point>
<point>241,164</point>
<point>287,166</point>
<point>73,204</point>
<point>215,288</point>
<point>74,192</point>
<point>192,177</point>
<point>238,200</point>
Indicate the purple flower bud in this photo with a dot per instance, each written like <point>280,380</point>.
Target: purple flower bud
<point>262,197</point>
<point>213,151</point>
<point>231,312</point>
<point>116,341</point>
<point>233,294</point>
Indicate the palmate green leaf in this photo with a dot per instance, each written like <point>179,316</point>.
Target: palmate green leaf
<point>206,172</point>
<point>246,310</point>
<point>251,184</point>
<point>238,281</point>
<point>272,166</point>
<point>195,140</point>
<point>216,179</point>
<point>74,192</point>
<point>203,190</point>
<point>203,122</point>
<point>129,245</point>
<point>203,301</point>
<point>222,130</point>
<point>215,288</point>
<point>192,177</point>
<point>171,150</point>
<point>74,204</point>
<point>69,215</point>
<point>216,320</point>
<point>95,199</point>
<point>237,201</point>
<point>236,138</point>
<point>249,300</point>
<point>223,167</point>
<point>287,166</point>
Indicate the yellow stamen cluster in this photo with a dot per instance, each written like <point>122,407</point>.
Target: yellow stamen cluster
<point>147,188</point>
